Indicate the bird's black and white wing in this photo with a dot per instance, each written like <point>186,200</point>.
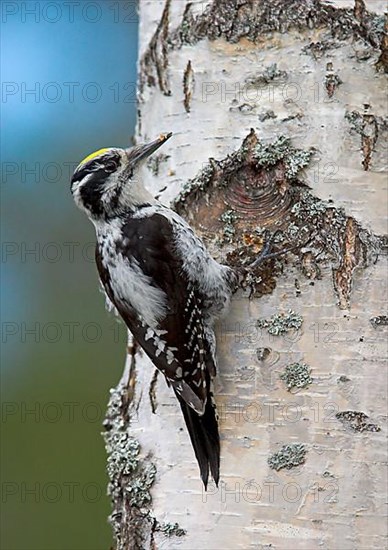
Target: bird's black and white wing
<point>146,282</point>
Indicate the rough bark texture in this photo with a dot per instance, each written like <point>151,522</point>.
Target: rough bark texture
<point>278,109</point>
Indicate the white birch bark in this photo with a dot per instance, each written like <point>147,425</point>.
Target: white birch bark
<point>316,96</point>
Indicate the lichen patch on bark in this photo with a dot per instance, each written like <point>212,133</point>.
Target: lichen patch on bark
<point>131,475</point>
<point>296,376</point>
<point>289,456</point>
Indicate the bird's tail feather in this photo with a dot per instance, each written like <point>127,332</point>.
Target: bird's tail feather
<point>203,431</point>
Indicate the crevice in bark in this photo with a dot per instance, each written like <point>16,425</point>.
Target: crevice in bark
<point>382,62</point>
<point>188,86</point>
<point>132,349</point>
<point>152,391</point>
<point>232,202</point>
<point>155,162</point>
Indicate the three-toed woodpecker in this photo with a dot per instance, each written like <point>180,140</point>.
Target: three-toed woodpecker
<point>163,282</point>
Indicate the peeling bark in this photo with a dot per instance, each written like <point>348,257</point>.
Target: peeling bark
<point>188,86</point>
<point>352,255</point>
<point>234,20</point>
<point>232,201</point>
<point>237,19</point>
<point>157,56</point>
<point>359,9</point>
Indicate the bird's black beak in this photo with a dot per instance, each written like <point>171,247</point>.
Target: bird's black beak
<point>140,152</point>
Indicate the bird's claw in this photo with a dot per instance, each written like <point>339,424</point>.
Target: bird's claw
<point>266,253</point>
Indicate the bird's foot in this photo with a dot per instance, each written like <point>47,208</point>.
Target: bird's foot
<point>266,253</point>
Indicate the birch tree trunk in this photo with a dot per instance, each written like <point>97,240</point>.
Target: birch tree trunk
<point>288,101</point>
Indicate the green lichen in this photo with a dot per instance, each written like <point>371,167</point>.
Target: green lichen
<point>293,230</point>
<point>288,457</point>
<point>308,205</point>
<point>297,160</point>
<point>269,154</point>
<point>355,120</point>
<point>131,477</point>
<point>138,490</point>
<point>228,218</point>
<point>123,454</point>
<point>199,183</point>
<point>296,375</point>
<point>281,323</point>
<point>170,529</point>
<point>270,74</point>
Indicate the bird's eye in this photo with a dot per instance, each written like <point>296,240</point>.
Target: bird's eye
<point>110,166</point>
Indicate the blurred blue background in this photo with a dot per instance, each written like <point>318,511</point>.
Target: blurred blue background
<point>69,81</point>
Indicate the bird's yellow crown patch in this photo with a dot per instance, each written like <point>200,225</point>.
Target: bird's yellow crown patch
<point>93,155</point>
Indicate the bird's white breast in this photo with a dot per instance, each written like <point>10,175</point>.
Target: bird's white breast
<point>130,286</point>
